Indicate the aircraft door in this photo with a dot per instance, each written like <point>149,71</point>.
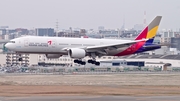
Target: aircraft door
<point>53,44</point>
<point>26,43</point>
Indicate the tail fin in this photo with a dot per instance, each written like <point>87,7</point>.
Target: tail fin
<point>150,31</point>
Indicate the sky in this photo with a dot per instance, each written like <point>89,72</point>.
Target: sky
<point>88,14</point>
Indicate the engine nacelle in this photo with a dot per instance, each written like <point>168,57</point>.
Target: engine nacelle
<point>77,53</point>
<point>53,55</point>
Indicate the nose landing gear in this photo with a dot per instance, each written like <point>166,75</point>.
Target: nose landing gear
<point>20,59</point>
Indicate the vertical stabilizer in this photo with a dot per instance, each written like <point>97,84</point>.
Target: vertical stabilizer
<point>150,31</point>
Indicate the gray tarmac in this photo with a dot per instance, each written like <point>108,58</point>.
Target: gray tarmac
<point>92,98</point>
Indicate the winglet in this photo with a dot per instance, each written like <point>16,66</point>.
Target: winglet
<point>150,31</point>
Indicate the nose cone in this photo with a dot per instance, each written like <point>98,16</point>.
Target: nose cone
<point>9,46</point>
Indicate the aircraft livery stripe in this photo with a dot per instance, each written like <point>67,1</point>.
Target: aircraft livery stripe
<point>148,33</point>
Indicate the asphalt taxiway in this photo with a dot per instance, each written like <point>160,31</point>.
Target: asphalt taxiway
<point>93,98</point>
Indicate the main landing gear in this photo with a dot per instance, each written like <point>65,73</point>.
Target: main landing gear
<point>94,62</point>
<point>80,62</point>
<point>89,61</point>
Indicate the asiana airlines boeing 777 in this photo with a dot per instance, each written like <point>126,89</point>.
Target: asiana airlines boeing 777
<point>78,48</point>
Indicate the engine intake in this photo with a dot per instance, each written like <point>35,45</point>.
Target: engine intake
<point>77,53</point>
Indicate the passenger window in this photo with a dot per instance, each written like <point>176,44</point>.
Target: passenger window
<point>12,42</point>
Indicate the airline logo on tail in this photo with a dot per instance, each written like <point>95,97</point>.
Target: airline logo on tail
<point>148,33</point>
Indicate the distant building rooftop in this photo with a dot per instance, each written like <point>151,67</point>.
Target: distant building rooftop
<point>175,57</point>
<point>3,41</point>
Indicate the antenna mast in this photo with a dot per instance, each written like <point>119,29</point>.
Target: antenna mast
<point>57,27</point>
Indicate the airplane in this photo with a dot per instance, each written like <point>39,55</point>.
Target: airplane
<point>78,48</point>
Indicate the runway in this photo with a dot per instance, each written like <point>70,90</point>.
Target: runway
<point>119,87</point>
<point>93,98</point>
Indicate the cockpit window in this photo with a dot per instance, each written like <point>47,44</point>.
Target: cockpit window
<point>11,41</point>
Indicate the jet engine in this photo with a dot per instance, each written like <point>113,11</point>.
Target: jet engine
<point>77,53</point>
<point>53,55</point>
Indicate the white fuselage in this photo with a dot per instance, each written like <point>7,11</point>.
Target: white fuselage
<point>34,44</point>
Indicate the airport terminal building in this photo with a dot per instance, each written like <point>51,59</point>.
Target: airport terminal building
<point>132,60</point>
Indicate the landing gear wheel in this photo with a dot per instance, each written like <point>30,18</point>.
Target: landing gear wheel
<point>83,63</point>
<point>20,59</point>
<point>97,63</point>
<point>90,61</point>
<point>93,62</point>
<point>79,62</point>
<point>76,61</point>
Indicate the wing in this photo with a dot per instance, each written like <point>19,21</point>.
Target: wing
<point>101,48</point>
<point>112,46</point>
